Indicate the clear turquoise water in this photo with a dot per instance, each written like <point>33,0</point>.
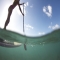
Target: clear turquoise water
<point>49,51</point>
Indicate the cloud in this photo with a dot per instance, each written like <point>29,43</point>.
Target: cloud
<point>50,27</point>
<point>41,33</point>
<point>26,4</point>
<point>48,10</point>
<point>54,27</point>
<point>28,27</point>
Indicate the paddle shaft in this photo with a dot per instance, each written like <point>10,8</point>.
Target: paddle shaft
<point>23,29</point>
<point>23,18</point>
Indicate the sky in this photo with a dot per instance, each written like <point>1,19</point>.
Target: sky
<point>40,16</point>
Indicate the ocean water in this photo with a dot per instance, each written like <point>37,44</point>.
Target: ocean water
<point>42,48</point>
<point>49,51</point>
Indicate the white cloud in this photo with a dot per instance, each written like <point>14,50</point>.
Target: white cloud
<point>41,33</point>
<point>54,27</point>
<point>49,26</point>
<point>28,27</point>
<point>26,4</point>
<point>48,10</point>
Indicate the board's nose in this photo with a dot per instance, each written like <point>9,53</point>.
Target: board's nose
<point>5,43</point>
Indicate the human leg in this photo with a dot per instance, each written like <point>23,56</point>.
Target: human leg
<point>8,18</point>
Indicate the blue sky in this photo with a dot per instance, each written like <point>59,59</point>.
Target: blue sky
<point>41,16</point>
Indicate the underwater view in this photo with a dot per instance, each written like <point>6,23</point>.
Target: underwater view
<point>29,30</point>
<point>45,47</point>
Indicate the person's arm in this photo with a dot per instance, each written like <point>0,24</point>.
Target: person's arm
<point>20,9</point>
<point>21,4</point>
